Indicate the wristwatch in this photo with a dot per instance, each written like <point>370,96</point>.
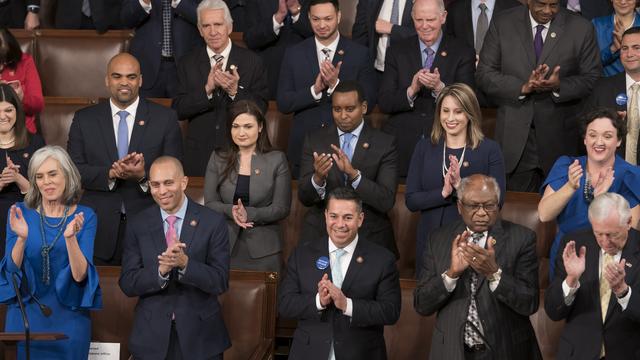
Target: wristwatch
<point>495,276</point>
<point>33,9</point>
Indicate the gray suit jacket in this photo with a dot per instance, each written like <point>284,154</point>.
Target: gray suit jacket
<point>504,313</point>
<point>506,62</point>
<point>269,195</point>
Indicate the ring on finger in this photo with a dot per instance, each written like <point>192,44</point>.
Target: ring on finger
<point>474,259</point>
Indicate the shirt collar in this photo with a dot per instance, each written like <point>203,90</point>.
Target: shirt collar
<point>628,82</point>
<point>333,46</point>
<point>224,52</point>
<point>434,46</point>
<point>483,240</point>
<point>616,257</point>
<point>356,132</point>
<point>180,214</point>
<point>131,109</point>
<point>349,248</point>
<point>489,3</point>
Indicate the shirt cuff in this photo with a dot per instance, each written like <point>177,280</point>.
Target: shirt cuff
<point>555,94</point>
<point>330,91</point>
<point>449,282</point>
<point>295,18</point>
<point>321,190</point>
<point>276,25</point>
<point>355,184</point>
<point>315,96</point>
<point>624,301</point>
<point>175,3</point>
<point>163,280</point>
<point>318,305</point>
<point>410,99</point>
<point>111,184</point>
<point>349,310</point>
<point>181,272</point>
<point>569,293</point>
<point>146,7</point>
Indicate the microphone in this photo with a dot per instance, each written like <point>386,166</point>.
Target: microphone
<point>44,309</point>
<point>23,312</point>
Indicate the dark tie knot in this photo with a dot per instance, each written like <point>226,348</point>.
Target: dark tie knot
<point>482,7</point>
<point>217,58</point>
<point>539,28</point>
<point>476,237</point>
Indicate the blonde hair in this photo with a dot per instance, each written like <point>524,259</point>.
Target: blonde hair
<point>465,96</point>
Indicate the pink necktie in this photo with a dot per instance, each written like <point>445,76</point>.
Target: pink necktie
<point>171,220</point>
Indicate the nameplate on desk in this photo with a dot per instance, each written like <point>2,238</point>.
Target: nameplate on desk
<point>104,351</point>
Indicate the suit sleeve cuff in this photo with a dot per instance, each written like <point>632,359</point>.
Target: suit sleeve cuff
<point>146,7</point>
<point>449,282</point>
<point>321,190</point>
<point>624,301</point>
<point>315,96</point>
<point>349,310</point>
<point>569,293</point>
<point>318,305</point>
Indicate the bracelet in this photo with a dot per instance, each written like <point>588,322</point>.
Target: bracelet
<point>624,293</point>
<point>355,178</point>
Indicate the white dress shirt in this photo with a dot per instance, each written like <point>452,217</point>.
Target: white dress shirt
<point>383,40</point>
<point>345,260</point>
<point>321,56</point>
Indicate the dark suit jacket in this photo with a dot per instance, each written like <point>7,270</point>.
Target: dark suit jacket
<point>146,45</point>
<point>269,200</point>
<point>271,47</point>
<point>506,62</point>
<point>584,331</point>
<point>192,297</point>
<point>373,286</point>
<point>13,13</point>
<point>364,27</point>
<point>92,147</point>
<point>460,19</point>
<point>592,8</point>
<point>208,118</point>
<point>504,312</point>
<point>455,62</point>
<point>298,73</point>
<point>375,156</point>
<point>104,13</point>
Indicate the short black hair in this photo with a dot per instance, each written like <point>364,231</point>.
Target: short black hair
<point>344,193</point>
<point>349,86</point>
<point>602,112</point>
<point>10,51</point>
<point>335,3</point>
<point>631,30</point>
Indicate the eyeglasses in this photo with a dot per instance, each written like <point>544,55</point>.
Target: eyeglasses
<point>490,207</point>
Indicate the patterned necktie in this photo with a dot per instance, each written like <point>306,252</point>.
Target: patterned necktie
<point>471,336</point>
<point>86,8</point>
<point>218,58</point>
<point>171,230</point>
<point>633,126</point>
<point>537,41</point>
<point>430,55</point>
<point>327,54</point>
<point>395,13</point>
<point>337,278</point>
<point>123,134</point>
<point>167,41</point>
<point>482,26</point>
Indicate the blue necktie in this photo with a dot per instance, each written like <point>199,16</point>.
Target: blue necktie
<point>337,278</point>
<point>429,61</point>
<point>346,144</point>
<point>123,134</point>
<point>395,13</point>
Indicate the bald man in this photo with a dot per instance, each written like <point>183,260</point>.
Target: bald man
<point>112,144</point>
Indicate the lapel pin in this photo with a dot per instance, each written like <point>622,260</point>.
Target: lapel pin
<point>443,54</point>
<point>141,122</point>
<point>340,52</point>
<point>233,67</point>
<point>628,265</point>
<point>257,171</point>
<point>359,259</point>
<point>493,241</point>
<point>465,164</point>
<point>365,145</point>
<point>193,223</point>
<point>25,155</point>
<point>322,263</point>
<point>553,35</point>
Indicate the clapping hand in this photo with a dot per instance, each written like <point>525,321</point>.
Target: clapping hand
<point>480,259</point>
<point>615,274</point>
<point>452,177</point>
<point>240,215</point>
<point>10,173</point>
<point>458,262</point>
<point>603,182</point>
<point>574,174</point>
<point>74,226</point>
<point>17,222</point>
<point>330,73</point>
<point>574,264</point>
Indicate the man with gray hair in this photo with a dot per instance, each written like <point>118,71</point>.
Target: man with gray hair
<point>209,79</point>
<point>480,274</point>
<point>594,289</point>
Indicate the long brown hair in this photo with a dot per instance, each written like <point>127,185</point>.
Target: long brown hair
<point>230,154</point>
<point>20,128</point>
<point>465,96</point>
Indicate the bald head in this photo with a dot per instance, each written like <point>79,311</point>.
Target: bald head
<point>169,162</point>
<point>428,18</point>
<point>167,183</point>
<point>123,79</point>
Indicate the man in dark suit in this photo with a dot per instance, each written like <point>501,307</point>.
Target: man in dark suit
<point>589,9</point>
<point>270,36</point>
<point>536,63</point>
<point>354,154</point>
<point>101,15</point>
<point>465,19</point>
<point>313,68</point>
<point>113,144</point>
<point>342,290</point>
<point>176,261</point>
<point>209,79</point>
<point>378,25</point>
<point>594,289</point>
<point>480,275</point>
<point>617,92</point>
<point>18,14</point>
<point>416,70</point>
<point>159,44</point>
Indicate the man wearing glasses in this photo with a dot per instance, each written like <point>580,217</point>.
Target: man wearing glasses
<point>480,274</point>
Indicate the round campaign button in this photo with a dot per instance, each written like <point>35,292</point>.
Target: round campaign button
<point>621,99</point>
<point>322,263</point>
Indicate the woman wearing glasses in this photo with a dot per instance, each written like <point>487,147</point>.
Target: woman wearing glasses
<point>456,148</point>
<point>572,183</point>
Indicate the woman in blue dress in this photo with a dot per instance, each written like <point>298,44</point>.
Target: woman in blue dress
<point>49,249</point>
<point>573,182</point>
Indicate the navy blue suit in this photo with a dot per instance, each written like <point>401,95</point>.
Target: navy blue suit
<point>146,45</point>
<point>592,8</point>
<point>92,147</point>
<point>371,281</point>
<point>192,297</point>
<point>298,73</point>
<point>425,182</point>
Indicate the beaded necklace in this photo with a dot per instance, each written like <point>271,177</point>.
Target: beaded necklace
<point>46,249</point>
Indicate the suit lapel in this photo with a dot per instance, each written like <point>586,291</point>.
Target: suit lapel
<point>499,247</point>
<point>332,137</point>
<point>312,57</point>
<point>140,124</point>
<point>204,66</point>
<point>156,229</point>
<point>258,165</point>
<point>355,266</point>
<point>592,264</point>
<point>189,224</point>
<point>631,253</point>
<point>233,58</point>
<point>360,151</point>
<point>467,20</point>
<point>555,32</point>
<point>440,59</point>
<point>108,134</point>
<point>340,51</point>
<point>524,32</point>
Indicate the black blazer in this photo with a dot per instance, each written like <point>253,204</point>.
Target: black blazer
<point>104,13</point>
<point>592,8</point>
<point>192,297</point>
<point>373,285</point>
<point>13,13</point>
<point>364,27</point>
<point>375,156</point>
<point>584,331</point>
<point>259,36</point>
<point>208,117</point>
<point>455,62</point>
<point>92,147</point>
